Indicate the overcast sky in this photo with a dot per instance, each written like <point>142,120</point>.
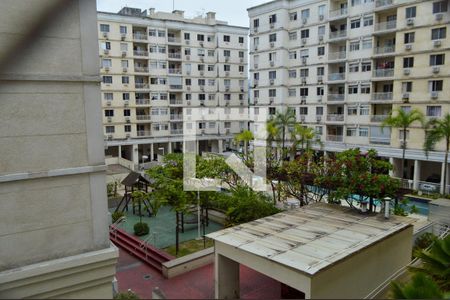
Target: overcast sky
<point>232,11</point>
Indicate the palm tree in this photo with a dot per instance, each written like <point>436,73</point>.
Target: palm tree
<point>304,137</point>
<point>420,287</point>
<point>403,120</point>
<point>284,121</point>
<point>437,130</point>
<point>245,136</point>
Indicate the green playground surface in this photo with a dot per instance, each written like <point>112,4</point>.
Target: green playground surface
<point>162,227</point>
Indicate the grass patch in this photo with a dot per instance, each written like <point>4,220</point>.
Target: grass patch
<point>189,247</point>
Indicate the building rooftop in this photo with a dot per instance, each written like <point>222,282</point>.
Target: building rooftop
<point>311,238</point>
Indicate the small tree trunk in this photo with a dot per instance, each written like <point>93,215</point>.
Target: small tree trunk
<point>445,166</point>
<point>403,153</point>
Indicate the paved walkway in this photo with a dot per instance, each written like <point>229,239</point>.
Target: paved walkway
<point>197,284</point>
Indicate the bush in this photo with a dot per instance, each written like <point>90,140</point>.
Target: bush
<point>110,189</point>
<point>424,241</point>
<point>126,296</point>
<point>116,216</point>
<point>141,228</point>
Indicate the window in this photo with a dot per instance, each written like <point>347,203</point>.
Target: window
<point>272,56</point>
<point>106,45</point>
<point>304,91</point>
<point>353,89</point>
<point>320,71</point>
<point>407,87</point>
<point>304,33</point>
<point>256,41</point>
<point>408,62</point>
<point>437,59</point>
<point>256,93</point>
<point>292,36</point>
<point>152,32</point>
<point>320,51</point>
<point>304,53</point>
<point>367,44</point>
<point>292,54</point>
<point>109,129</point>
<point>211,82</point>
<point>188,81</point>
<point>351,131</point>
<point>356,2</point>
<point>226,53</point>
<point>200,67</point>
<point>227,68</point>
<point>292,73</point>
<point>303,111</point>
<point>109,113</point>
<point>272,75</point>
<point>305,14</point>
<point>200,37</point>
<point>107,79</point>
<point>126,96</point>
<point>364,131</point>
<point>438,33</point>
<point>202,97</point>
<point>126,112</point>
<point>366,66</point>
<point>304,73</point>
<point>319,130</point>
<point>272,19</point>
<point>127,128</point>
<point>365,89</point>
<point>123,47</point>
<point>352,110</point>
<point>211,53</point>
<point>272,93</point>
<point>272,111</point>
<point>256,76</point>
<point>106,63</point>
<point>440,6</point>
<point>125,80</point>
<point>355,23</point>
<point>409,37</point>
<point>321,10</point>
<point>273,37</point>
<point>241,69</point>
<point>210,68</point>
<point>256,23</point>
<point>410,12</point>
<point>435,85</point>
<point>433,111</point>
<point>292,92</point>
<point>187,36</point>
<point>353,68</point>
<point>108,96</point>
<point>241,54</point>
<point>201,52</point>
<point>320,91</point>
<point>201,82</point>
<point>321,30</point>
<point>364,110</point>
<point>124,63</point>
<point>293,16</point>
<point>241,40</point>
<point>226,38</point>
<point>104,27</point>
<point>368,21</point>
<point>123,29</point>
<point>161,33</point>
<point>354,46</point>
<point>319,110</point>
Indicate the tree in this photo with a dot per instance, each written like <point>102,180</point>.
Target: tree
<point>284,121</point>
<point>304,137</point>
<point>246,136</point>
<point>436,131</point>
<point>420,287</point>
<point>403,120</point>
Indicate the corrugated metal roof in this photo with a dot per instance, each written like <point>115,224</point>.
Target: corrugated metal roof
<point>312,237</point>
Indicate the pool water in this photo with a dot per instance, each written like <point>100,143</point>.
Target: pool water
<point>421,205</point>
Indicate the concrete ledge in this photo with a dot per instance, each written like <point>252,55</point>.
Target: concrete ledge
<point>69,277</point>
<point>188,263</point>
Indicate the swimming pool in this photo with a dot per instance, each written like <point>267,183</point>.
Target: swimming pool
<point>420,204</point>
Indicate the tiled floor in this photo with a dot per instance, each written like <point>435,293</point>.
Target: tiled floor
<point>197,284</point>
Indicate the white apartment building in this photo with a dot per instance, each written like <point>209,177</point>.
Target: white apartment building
<point>157,68</point>
<point>343,66</point>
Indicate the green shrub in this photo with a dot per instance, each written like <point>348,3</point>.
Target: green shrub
<point>110,189</point>
<point>424,241</point>
<point>116,216</point>
<point>126,296</point>
<point>141,228</point>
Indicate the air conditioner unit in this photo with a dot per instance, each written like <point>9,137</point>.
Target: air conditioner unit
<point>255,29</point>
<point>255,101</point>
<point>201,44</point>
<point>127,119</point>
<point>321,17</point>
<point>256,47</point>
<point>227,131</point>
<point>202,102</point>
<point>435,69</point>
<point>202,59</point>
<point>227,58</point>
<point>108,102</point>
<point>105,35</point>
<point>434,95</point>
<point>304,60</point>
<point>410,22</point>
<point>304,21</point>
<point>124,53</point>
<point>271,100</point>
<point>320,79</point>
<point>272,44</point>
<point>439,17</point>
<point>255,82</point>
<point>242,89</point>
<point>123,36</point>
<point>318,118</point>
<point>302,118</point>
<point>272,25</point>
<point>227,74</point>
<point>125,69</point>
<point>272,63</point>
<point>437,43</point>
<point>405,96</point>
<point>227,103</point>
<point>303,99</point>
<point>319,99</point>
<point>188,102</point>
<point>188,57</point>
<point>241,60</point>
<point>406,71</point>
<point>106,69</point>
<point>127,135</point>
<point>110,137</point>
<point>321,38</point>
<point>188,88</point>
<point>203,131</point>
<point>109,119</point>
<point>202,73</point>
<point>106,51</point>
<point>304,40</point>
<point>188,73</point>
<point>242,103</point>
<point>272,81</point>
<point>126,103</point>
<point>304,80</point>
<point>187,42</point>
<point>408,47</point>
<point>202,88</point>
<point>227,89</point>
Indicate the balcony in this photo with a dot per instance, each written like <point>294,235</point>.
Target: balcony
<point>141,69</point>
<point>175,87</point>
<point>143,117</point>
<point>335,138</point>
<point>140,53</point>
<point>336,97</point>
<point>171,39</point>
<point>336,76</point>
<point>140,36</point>
<point>139,85</point>
<point>176,117</point>
<point>176,131</point>
<point>335,117</point>
<point>378,118</point>
<point>338,13</point>
<point>338,34</point>
<point>385,26</point>
<point>143,133</point>
<point>142,101</point>
<point>382,4</point>
<point>383,73</point>
<point>382,96</point>
<point>176,101</point>
<point>337,55</point>
<point>380,140</point>
<point>174,55</point>
<point>384,50</point>
<point>175,71</point>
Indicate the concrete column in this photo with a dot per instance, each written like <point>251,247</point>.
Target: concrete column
<point>226,278</point>
<point>442,178</point>
<point>197,147</point>
<point>152,152</point>
<point>220,145</point>
<point>135,154</point>
<point>169,147</point>
<point>392,162</point>
<point>417,164</point>
<point>119,153</point>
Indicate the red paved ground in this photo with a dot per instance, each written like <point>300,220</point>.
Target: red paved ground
<point>198,284</point>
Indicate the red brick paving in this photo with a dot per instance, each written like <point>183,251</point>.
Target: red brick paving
<point>197,284</point>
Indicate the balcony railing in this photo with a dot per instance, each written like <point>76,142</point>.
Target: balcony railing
<point>139,85</point>
<point>384,50</point>
<point>382,96</point>
<point>335,138</point>
<point>336,97</point>
<point>176,117</point>
<point>175,87</point>
<point>338,13</point>
<point>337,55</point>
<point>140,36</point>
<point>383,72</point>
<point>390,25</point>
<point>142,101</point>
<point>378,118</point>
<point>141,69</point>
<point>338,34</point>
<point>383,3</point>
<point>335,117</point>
<point>142,133</point>
<point>175,71</point>
<point>175,55</point>
<point>140,53</point>
<point>143,117</point>
<point>336,76</point>
<point>176,131</point>
<point>176,101</point>
<point>171,39</point>
<point>380,140</point>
